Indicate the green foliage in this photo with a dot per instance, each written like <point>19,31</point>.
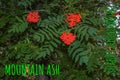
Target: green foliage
<point>25,3</point>
<point>24,42</point>
<point>19,26</point>
<point>24,51</point>
<point>48,35</point>
<point>73,75</point>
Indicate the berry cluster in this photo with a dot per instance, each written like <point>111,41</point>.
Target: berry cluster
<point>67,38</point>
<point>73,19</point>
<point>33,17</point>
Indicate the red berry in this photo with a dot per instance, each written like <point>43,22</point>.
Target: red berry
<point>33,17</point>
<point>67,38</point>
<point>73,19</point>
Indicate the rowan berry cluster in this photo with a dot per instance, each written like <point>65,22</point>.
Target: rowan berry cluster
<point>33,17</point>
<point>73,19</point>
<point>67,38</point>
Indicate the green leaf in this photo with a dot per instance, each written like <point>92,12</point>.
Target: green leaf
<point>3,21</point>
<point>85,52</point>
<point>73,49</point>
<point>54,44</point>
<point>36,37</point>
<point>83,33</point>
<point>84,59</point>
<point>49,33</point>
<point>92,31</point>
<point>77,58</point>
<point>18,27</point>
<point>19,20</point>
<point>86,37</point>
<point>76,51</point>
